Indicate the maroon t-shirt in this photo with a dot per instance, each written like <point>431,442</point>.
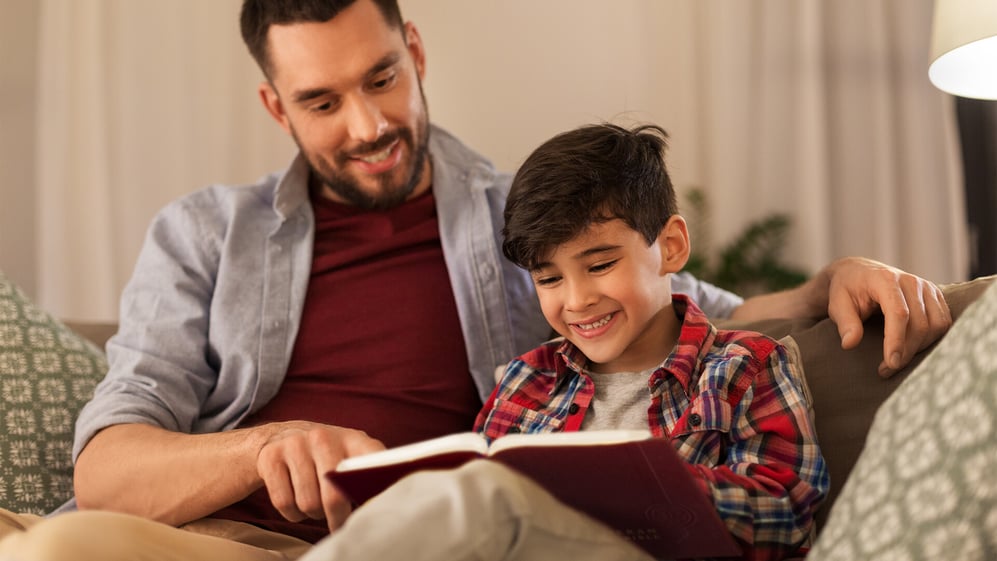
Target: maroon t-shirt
<point>379,347</point>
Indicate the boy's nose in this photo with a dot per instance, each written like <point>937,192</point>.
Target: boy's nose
<point>580,295</point>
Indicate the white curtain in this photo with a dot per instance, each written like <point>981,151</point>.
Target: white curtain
<point>823,110</point>
<point>140,101</point>
<point>820,109</point>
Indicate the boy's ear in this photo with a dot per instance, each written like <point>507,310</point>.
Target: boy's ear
<point>674,243</point>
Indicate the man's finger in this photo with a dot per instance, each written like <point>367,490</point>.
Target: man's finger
<point>281,493</point>
<point>307,491</point>
<point>845,315</point>
<point>337,506</point>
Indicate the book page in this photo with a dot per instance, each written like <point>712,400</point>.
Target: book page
<point>460,442</point>
<point>580,438</point>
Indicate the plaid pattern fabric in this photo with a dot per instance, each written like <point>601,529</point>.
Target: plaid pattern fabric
<point>731,402</point>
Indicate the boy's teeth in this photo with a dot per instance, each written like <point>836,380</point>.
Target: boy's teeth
<point>596,324</point>
<point>379,157</point>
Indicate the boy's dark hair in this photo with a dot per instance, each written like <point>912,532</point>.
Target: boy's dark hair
<point>258,15</point>
<point>588,175</point>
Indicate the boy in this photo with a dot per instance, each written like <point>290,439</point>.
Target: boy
<point>593,217</point>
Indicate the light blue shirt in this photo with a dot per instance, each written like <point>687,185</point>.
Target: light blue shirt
<point>209,318</point>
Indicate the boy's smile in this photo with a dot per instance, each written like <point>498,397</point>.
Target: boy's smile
<point>608,292</point>
<point>594,328</point>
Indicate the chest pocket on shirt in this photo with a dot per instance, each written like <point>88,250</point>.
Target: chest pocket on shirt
<point>702,433</point>
<point>708,412</point>
<point>507,417</point>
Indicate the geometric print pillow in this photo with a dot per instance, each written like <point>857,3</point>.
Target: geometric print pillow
<point>47,373</point>
<point>925,484</point>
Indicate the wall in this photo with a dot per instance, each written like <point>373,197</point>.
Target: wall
<point>18,41</point>
<point>808,108</point>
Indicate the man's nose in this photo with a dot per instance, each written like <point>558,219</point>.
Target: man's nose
<point>365,122</point>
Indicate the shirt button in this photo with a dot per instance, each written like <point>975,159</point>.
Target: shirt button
<point>695,420</point>
<point>573,408</point>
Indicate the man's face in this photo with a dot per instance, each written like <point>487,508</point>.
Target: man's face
<point>349,91</point>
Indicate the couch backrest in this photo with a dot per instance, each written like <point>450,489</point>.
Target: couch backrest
<point>845,386</point>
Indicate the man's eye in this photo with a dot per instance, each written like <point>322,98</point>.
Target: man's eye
<point>322,108</point>
<point>383,82</point>
<point>598,268</point>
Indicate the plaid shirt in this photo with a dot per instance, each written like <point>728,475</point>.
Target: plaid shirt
<point>731,401</point>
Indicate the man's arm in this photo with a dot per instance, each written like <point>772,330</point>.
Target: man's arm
<point>175,478</point>
<point>849,291</point>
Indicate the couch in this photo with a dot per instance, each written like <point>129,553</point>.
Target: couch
<point>49,368</point>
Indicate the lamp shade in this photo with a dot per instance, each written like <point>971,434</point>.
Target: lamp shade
<point>964,48</point>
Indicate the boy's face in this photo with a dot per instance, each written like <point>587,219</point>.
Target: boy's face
<point>609,293</point>
<point>349,91</point>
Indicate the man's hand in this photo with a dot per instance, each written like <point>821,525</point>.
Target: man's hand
<point>914,310</point>
<point>292,464</point>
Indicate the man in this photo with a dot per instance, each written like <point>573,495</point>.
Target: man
<point>269,331</point>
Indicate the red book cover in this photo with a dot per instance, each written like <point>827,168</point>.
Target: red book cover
<point>629,480</point>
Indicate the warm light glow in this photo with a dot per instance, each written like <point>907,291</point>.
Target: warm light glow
<point>964,48</point>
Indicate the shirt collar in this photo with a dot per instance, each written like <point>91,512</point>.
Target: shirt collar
<point>292,188</point>
<point>695,339</point>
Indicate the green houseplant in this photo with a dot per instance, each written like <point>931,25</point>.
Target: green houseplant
<point>749,264</point>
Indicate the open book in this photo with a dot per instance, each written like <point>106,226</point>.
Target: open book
<point>629,480</point>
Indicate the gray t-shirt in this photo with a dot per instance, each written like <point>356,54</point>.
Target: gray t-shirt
<point>620,401</point>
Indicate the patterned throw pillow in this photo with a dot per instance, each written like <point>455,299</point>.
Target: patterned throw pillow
<point>47,373</point>
<point>924,486</point>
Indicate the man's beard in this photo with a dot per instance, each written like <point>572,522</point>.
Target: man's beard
<point>387,195</point>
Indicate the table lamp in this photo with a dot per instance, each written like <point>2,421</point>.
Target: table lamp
<point>964,48</point>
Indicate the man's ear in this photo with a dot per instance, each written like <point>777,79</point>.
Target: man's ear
<point>674,243</point>
<point>415,48</point>
<point>274,106</point>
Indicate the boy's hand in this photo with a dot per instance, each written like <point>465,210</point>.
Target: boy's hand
<point>914,310</point>
<point>293,463</point>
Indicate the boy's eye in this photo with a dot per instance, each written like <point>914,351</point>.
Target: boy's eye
<point>599,267</point>
<point>546,280</point>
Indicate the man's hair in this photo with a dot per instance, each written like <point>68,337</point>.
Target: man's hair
<point>592,174</point>
<point>258,15</point>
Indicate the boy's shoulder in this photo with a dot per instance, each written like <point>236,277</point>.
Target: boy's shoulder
<point>716,343</point>
<point>740,342</point>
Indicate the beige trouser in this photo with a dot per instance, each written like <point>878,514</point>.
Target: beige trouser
<point>97,535</point>
<point>479,512</point>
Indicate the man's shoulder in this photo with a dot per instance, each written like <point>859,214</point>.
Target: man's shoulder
<point>219,200</point>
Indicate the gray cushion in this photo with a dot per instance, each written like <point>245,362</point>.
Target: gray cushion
<point>923,487</point>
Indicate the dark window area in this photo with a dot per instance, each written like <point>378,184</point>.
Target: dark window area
<point>978,136</point>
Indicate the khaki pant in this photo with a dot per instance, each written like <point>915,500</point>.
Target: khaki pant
<point>479,512</point>
<point>93,535</point>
